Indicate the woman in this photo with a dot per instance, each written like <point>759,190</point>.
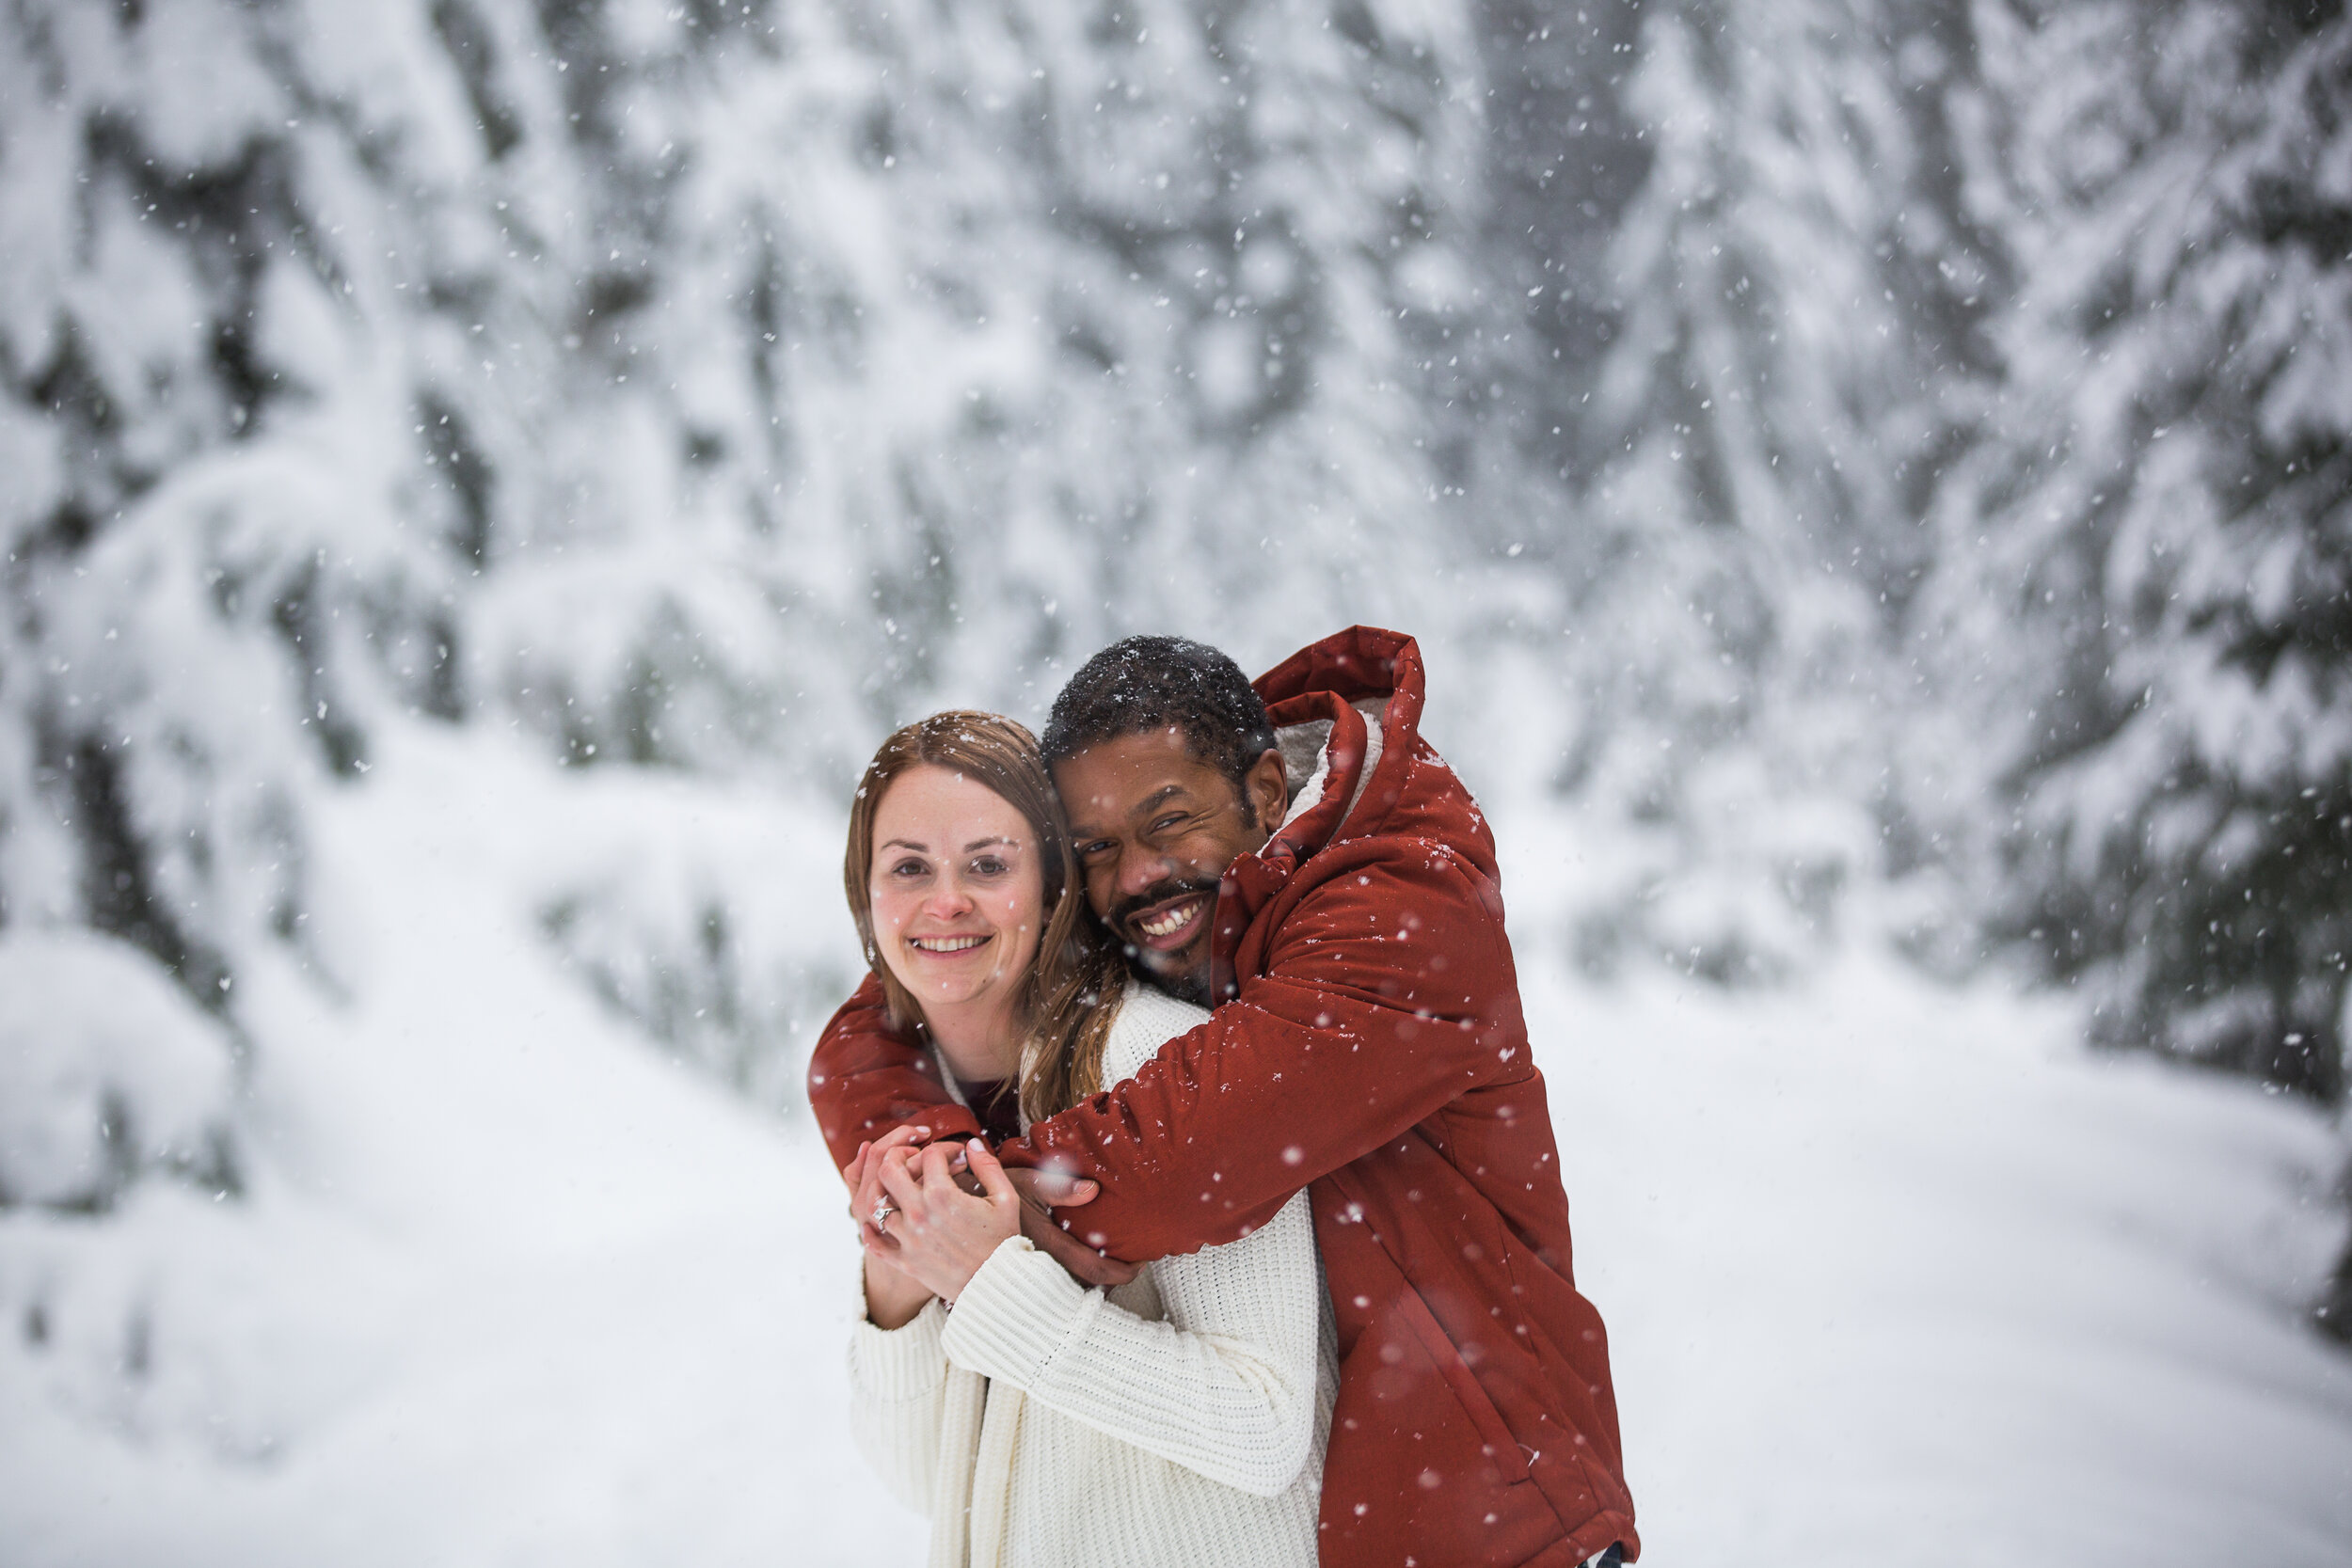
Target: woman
<point>1180,1419</point>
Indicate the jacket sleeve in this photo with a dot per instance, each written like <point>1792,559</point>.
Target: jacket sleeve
<point>1225,1387</point>
<point>1384,991</point>
<point>865,1078</point>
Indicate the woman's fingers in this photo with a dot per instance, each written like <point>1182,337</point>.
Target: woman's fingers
<point>993,1180</point>
<point>938,1166</point>
<point>946,1232</point>
<point>858,1176</point>
<point>902,1184</point>
<point>869,1191</point>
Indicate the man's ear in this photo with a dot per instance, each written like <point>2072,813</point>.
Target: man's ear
<point>1267,789</point>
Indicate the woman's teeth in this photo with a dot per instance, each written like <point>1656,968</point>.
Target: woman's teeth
<point>1165,925</point>
<point>943,944</point>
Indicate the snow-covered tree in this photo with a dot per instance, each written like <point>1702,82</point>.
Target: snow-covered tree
<point>2150,562</point>
<point>701,387</point>
<point>1746,366</point>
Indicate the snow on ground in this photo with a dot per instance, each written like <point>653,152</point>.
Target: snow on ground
<point>1894,1275</point>
<point>1897,1276</point>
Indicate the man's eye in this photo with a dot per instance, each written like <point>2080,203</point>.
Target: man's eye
<point>1168,824</point>
<point>1095,850</point>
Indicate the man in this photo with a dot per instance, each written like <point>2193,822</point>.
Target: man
<point>1367,1042</point>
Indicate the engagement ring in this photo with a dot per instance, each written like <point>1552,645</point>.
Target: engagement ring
<point>882,1210</point>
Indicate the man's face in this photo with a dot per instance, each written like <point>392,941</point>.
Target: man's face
<point>1155,828</point>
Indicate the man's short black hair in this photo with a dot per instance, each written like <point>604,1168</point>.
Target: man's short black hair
<point>1140,684</point>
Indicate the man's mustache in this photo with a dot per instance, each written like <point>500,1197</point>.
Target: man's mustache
<point>1158,893</point>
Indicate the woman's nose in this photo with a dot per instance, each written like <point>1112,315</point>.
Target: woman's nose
<point>948,896</point>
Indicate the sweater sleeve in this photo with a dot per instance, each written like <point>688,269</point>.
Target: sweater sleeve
<point>1225,1387</point>
<point>897,1400</point>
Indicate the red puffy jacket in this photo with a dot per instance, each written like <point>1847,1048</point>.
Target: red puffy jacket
<point>1375,1051</point>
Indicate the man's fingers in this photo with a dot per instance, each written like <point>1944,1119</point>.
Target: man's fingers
<point>1084,1264</point>
<point>1052,1188</point>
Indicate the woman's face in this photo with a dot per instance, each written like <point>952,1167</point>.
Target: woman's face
<point>958,889</point>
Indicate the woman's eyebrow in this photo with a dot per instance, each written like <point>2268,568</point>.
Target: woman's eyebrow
<point>984,843</point>
<point>907,844</point>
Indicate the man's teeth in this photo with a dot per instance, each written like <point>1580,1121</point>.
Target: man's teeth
<point>1160,925</point>
<point>943,944</point>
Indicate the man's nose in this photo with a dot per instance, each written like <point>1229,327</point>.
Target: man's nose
<point>1142,869</point>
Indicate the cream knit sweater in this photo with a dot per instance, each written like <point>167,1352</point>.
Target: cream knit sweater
<point>1178,1420</point>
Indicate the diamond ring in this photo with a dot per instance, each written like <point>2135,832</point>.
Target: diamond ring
<point>882,1210</point>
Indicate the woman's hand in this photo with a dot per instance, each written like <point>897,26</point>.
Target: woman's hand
<point>864,1176</point>
<point>893,1297</point>
<point>940,1234</point>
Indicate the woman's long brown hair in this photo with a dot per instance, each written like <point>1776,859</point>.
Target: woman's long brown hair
<point>1071,993</point>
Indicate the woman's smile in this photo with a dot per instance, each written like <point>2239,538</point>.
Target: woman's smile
<point>949,946</point>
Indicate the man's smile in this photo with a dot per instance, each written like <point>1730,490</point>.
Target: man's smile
<point>1169,926</point>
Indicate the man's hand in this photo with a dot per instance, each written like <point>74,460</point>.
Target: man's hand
<point>1052,1189</point>
<point>1042,1192</point>
<point>1086,1265</point>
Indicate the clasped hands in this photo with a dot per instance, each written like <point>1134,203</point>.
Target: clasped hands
<point>945,1208</point>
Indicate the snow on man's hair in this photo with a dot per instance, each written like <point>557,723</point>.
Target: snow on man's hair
<point>1140,684</point>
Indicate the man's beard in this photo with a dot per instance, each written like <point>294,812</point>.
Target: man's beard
<point>1191,985</point>
<point>1185,985</point>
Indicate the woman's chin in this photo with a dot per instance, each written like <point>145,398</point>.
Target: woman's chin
<point>934,991</point>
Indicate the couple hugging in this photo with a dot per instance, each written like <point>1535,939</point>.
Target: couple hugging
<point>1213,981</point>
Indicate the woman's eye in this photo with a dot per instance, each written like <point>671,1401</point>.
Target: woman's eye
<point>989,865</point>
<point>907,869</point>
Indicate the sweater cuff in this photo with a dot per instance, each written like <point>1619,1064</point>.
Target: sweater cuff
<point>1015,1315</point>
<point>898,1364</point>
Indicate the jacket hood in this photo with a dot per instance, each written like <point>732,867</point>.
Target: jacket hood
<point>1360,693</point>
<point>1369,787</point>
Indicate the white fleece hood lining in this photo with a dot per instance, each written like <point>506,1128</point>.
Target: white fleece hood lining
<point>1306,758</point>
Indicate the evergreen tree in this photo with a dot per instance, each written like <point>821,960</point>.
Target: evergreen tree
<point>2150,558</point>
<point>699,387</point>
<point>1742,386</point>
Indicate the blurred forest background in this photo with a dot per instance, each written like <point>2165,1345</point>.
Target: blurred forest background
<point>1871,471</point>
